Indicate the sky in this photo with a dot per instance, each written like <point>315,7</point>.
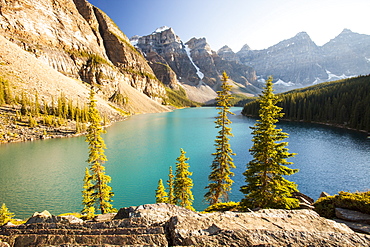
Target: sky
<point>258,23</point>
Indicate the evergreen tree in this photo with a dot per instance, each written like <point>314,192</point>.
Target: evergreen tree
<point>5,215</point>
<point>220,181</point>
<point>87,195</point>
<point>266,187</point>
<point>102,191</point>
<point>183,183</point>
<point>2,93</point>
<point>24,104</point>
<point>160,193</point>
<point>170,183</point>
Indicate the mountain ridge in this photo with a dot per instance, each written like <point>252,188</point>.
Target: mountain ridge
<point>304,63</point>
<point>195,66</point>
<point>294,63</point>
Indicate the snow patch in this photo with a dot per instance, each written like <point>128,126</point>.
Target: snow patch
<point>367,59</point>
<point>199,73</point>
<point>316,81</point>
<point>260,79</point>
<point>134,42</point>
<point>333,77</point>
<point>161,29</point>
<point>283,83</point>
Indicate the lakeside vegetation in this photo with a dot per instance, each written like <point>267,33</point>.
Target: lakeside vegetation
<point>344,103</point>
<point>358,201</point>
<point>282,200</point>
<point>265,185</point>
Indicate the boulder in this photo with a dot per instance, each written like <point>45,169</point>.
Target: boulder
<point>46,217</point>
<point>305,202</point>
<point>357,227</point>
<point>324,194</point>
<point>351,215</point>
<point>37,217</point>
<point>261,228</point>
<point>154,213</point>
<point>104,217</point>
<point>71,219</point>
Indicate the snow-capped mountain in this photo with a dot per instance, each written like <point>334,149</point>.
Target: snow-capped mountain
<point>298,61</point>
<point>192,65</point>
<point>293,63</point>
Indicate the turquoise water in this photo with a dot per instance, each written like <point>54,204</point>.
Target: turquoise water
<point>48,174</point>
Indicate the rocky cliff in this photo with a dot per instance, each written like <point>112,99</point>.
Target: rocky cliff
<point>79,41</point>
<point>169,225</point>
<point>299,62</point>
<point>193,65</point>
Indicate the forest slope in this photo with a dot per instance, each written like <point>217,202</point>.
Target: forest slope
<point>344,103</point>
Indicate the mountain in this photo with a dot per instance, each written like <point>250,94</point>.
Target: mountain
<point>70,44</point>
<point>192,65</point>
<point>348,54</point>
<point>298,61</point>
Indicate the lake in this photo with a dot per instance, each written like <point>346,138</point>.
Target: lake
<point>48,174</point>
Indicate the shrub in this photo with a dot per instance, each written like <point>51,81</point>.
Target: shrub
<point>359,201</point>
<point>5,215</point>
<point>324,206</point>
<point>222,207</point>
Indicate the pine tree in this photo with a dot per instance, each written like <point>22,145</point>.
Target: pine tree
<point>2,93</point>
<point>160,193</point>
<point>87,195</point>
<point>183,183</point>
<point>5,215</point>
<point>266,187</point>
<point>170,183</point>
<point>220,181</point>
<point>102,191</point>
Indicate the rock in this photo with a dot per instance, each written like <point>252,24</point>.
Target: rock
<point>71,219</point>
<point>154,213</point>
<point>193,64</point>
<point>305,202</point>
<point>357,227</point>
<point>324,194</point>
<point>3,244</point>
<point>38,217</point>
<point>169,225</point>
<point>68,40</point>
<point>351,215</point>
<point>43,214</point>
<point>104,217</point>
<point>262,228</point>
<point>299,62</point>
<point>46,217</point>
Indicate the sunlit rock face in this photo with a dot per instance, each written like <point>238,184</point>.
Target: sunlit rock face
<point>197,67</point>
<point>80,41</point>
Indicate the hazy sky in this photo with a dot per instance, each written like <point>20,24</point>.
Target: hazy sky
<point>258,23</point>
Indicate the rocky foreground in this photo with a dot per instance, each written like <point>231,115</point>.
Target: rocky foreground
<point>169,225</point>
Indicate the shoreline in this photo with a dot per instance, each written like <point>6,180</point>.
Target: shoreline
<point>320,123</point>
<point>14,131</point>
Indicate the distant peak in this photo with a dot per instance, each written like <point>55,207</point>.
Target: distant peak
<point>225,48</point>
<point>346,30</point>
<point>302,35</point>
<point>161,29</point>
<point>245,48</point>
